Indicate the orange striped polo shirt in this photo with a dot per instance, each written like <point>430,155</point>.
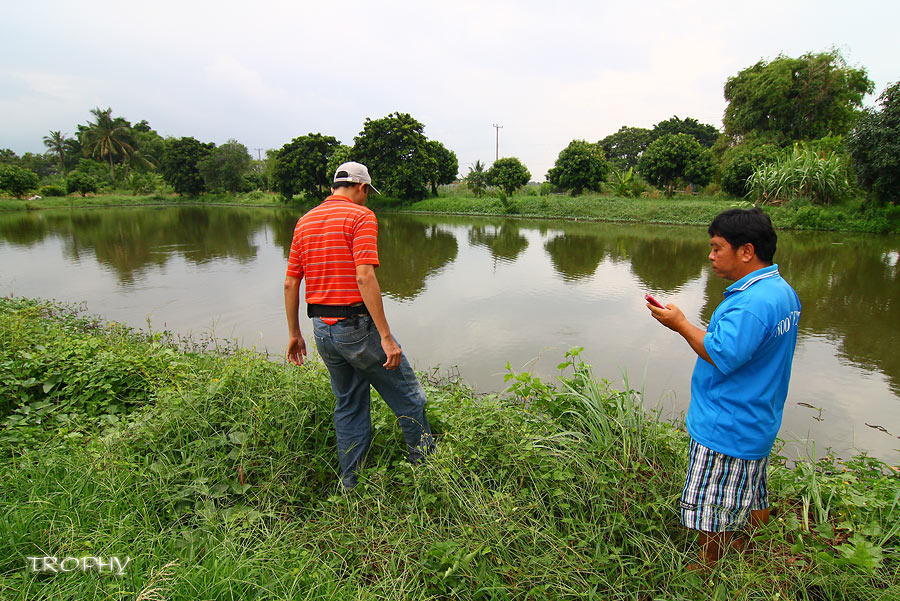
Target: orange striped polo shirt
<point>329,242</point>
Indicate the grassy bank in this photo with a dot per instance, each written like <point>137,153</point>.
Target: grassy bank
<point>682,209</point>
<point>126,199</point>
<point>213,469</point>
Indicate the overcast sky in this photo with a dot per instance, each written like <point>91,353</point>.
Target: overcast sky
<point>549,72</point>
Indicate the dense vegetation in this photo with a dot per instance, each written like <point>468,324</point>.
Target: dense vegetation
<point>795,135</point>
<point>212,468</point>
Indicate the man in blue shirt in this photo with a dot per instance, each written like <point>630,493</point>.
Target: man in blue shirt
<point>740,381</point>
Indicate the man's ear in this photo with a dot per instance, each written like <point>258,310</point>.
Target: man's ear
<point>747,252</point>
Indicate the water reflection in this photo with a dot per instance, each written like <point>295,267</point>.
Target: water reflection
<point>572,283</point>
<point>411,251</point>
<point>504,241</point>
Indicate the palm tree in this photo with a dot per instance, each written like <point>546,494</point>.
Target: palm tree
<point>56,142</point>
<point>108,138</point>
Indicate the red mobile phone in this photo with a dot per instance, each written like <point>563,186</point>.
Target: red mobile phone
<point>653,301</point>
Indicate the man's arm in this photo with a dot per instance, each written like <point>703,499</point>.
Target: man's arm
<point>296,350</point>
<point>673,318</point>
<point>371,294</point>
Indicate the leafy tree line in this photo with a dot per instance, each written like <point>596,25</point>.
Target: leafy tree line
<point>789,119</point>
<point>109,152</point>
<point>402,161</point>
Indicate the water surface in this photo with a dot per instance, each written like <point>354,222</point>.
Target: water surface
<point>468,295</point>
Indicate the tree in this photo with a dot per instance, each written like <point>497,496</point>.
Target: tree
<point>623,149</point>
<point>446,165</point>
<point>17,180</point>
<point>702,132</point>
<point>81,182</point>
<point>301,165</point>
<point>874,147</point>
<point>796,98</point>
<point>180,165</point>
<point>673,157</point>
<point>739,163</point>
<point>223,169</point>
<point>394,150</point>
<point>509,174</point>
<point>56,142</point>
<point>580,165</point>
<point>476,180</point>
<point>108,139</point>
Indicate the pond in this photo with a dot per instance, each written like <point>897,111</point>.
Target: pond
<point>466,295</point>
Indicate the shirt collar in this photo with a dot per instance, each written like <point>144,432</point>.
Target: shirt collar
<point>338,197</point>
<point>751,278</point>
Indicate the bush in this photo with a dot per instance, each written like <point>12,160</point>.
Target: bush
<point>81,182</point>
<point>17,180</point>
<point>741,161</point>
<point>52,190</point>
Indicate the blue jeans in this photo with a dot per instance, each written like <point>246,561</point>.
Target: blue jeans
<point>351,350</point>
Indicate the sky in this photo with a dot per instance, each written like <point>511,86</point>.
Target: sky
<point>548,72</point>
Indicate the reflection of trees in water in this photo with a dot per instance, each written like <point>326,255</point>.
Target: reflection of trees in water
<point>575,256</point>
<point>504,242</point>
<point>849,287</point>
<point>130,240</point>
<point>661,258</point>
<point>409,252</point>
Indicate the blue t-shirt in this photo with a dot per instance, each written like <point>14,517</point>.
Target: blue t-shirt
<point>737,405</point>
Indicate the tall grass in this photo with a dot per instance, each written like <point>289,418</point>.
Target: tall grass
<point>819,177</point>
<point>220,483</point>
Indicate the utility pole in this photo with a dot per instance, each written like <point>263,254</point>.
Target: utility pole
<point>258,153</point>
<point>498,128</point>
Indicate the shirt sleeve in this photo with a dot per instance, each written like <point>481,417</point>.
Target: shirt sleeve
<point>295,266</point>
<point>734,340</point>
<point>365,240</point>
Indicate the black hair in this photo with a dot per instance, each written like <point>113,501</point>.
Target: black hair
<point>740,226</point>
<point>337,185</point>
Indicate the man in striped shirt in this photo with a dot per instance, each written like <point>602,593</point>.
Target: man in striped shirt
<point>335,249</point>
<point>740,382</point>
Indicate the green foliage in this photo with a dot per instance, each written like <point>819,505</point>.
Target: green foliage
<point>675,157</point>
<point>108,138</point>
<point>394,150</point>
<point>56,142</point>
<point>508,174</point>
<point>302,165</point>
<point>476,179</point>
<point>702,132</point>
<point>623,183</point>
<point>623,149</point>
<point>740,162</point>
<point>796,98</point>
<point>146,182</point>
<point>52,190</point>
<point>446,165</point>
<point>874,147</point>
<point>802,175</point>
<point>17,180</point>
<point>580,165</point>
<point>219,467</point>
<point>81,182</point>
<point>223,169</point>
<point>181,161</point>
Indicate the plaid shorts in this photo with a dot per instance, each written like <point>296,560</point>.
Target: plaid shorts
<point>720,491</point>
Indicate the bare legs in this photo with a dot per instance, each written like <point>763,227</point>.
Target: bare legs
<point>714,544</point>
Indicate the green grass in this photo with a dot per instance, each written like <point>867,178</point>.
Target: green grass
<point>214,469</point>
<point>850,216</point>
<point>681,209</point>
<point>122,198</point>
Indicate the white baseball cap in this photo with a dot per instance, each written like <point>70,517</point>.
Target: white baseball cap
<point>354,172</point>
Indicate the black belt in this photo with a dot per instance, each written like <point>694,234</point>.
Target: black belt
<point>336,310</point>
